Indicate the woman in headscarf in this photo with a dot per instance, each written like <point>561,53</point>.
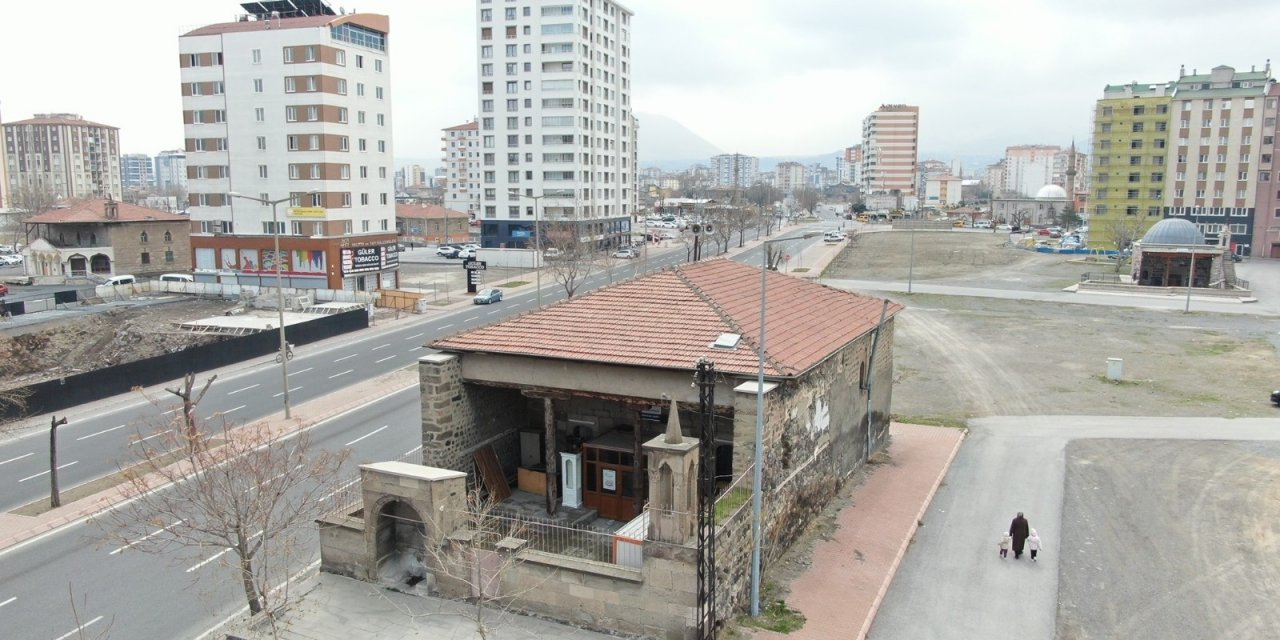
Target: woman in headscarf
<point>1019,529</point>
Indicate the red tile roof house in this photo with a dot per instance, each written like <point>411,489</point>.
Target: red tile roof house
<point>104,238</point>
<point>585,374</point>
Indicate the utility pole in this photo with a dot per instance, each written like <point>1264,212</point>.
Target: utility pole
<point>55,497</point>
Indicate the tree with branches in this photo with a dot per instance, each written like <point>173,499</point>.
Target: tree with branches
<point>30,200</point>
<point>807,199</point>
<point>250,492</point>
<point>577,259</point>
<point>1123,231</point>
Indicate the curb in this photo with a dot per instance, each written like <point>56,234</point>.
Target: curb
<point>906,542</point>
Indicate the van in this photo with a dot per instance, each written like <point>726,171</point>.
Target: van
<point>116,281</point>
<point>832,237</point>
<point>982,224</point>
<point>176,277</point>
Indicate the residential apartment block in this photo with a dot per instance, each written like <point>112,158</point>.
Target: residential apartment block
<point>1130,162</point>
<point>137,171</point>
<point>62,154</point>
<point>1029,167</point>
<point>171,172</point>
<point>462,168</point>
<point>292,107</point>
<point>790,176</point>
<point>557,133</point>
<point>890,143</point>
<point>1266,228</point>
<point>942,191</point>
<point>734,170</point>
<point>849,168</point>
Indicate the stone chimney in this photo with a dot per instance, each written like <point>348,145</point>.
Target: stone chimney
<point>112,208</point>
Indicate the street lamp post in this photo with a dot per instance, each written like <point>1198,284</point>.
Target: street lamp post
<point>537,243</point>
<point>757,476</point>
<point>284,345</point>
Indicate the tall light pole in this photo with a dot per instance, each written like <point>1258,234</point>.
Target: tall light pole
<point>284,345</point>
<point>537,243</point>
<point>757,475</point>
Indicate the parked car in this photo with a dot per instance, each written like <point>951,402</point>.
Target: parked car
<point>447,251</point>
<point>488,296</point>
<point>4,291</point>
<point>982,224</point>
<point>1275,395</point>
<point>176,277</point>
<point>552,254</point>
<point>10,259</point>
<point>625,253</point>
<point>116,281</point>
<point>832,237</point>
<point>466,254</point>
<point>1004,227</point>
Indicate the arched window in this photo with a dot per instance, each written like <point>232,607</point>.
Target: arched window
<point>142,237</point>
<point>168,237</point>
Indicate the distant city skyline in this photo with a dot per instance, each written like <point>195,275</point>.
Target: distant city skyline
<point>986,74</point>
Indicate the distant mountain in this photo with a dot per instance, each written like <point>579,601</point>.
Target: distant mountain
<point>667,144</point>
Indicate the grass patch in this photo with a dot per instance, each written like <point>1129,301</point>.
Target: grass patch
<point>1197,398</point>
<point>800,270</point>
<point>933,421</point>
<point>776,616</point>
<point>1123,382</point>
<point>513,283</point>
<point>1211,348</point>
<point>728,503</point>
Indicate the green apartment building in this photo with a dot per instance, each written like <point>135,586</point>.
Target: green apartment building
<point>1130,149</point>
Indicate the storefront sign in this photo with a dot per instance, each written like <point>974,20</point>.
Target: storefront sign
<point>369,259</point>
<point>307,212</point>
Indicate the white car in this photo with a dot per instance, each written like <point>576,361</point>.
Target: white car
<point>625,253</point>
<point>10,259</point>
<point>466,253</point>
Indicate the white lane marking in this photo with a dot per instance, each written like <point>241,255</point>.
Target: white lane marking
<point>8,601</point>
<point>469,318</point>
<point>341,374</point>
<point>223,413</point>
<point>346,357</point>
<point>446,326</point>
<point>217,555</point>
<point>77,629</point>
<point>366,435</point>
<point>46,471</point>
<point>416,335</point>
<point>413,450</point>
<point>252,386</point>
<point>96,434</point>
<point>294,373</point>
<point>291,390</point>
<point>149,535</point>
<point>415,349</point>
<point>381,346</point>
<point>339,490</point>
<point>173,410</point>
<point>154,435</point>
<point>384,359</point>
<point>25,455</point>
<point>493,312</point>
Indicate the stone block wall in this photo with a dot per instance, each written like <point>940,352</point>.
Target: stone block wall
<point>458,417</point>
<point>342,546</point>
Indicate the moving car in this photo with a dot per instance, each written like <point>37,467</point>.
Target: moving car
<point>176,277</point>
<point>625,253</point>
<point>4,291</point>
<point>447,251</point>
<point>982,224</point>
<point>465,253</point>
<point>832,236</point>
<point>488,296</point>
<point>1275,396</point>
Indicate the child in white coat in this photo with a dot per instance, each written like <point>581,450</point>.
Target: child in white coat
<point>1033,544</point>
<point>1006,542</point>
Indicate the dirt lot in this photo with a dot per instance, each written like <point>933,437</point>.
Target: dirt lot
<point>40,352</point>
<point>959,357</point>
<point>1210,540</point>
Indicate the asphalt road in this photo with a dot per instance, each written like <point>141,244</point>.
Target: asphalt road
<point>170,596</point>
<point>952,584</point>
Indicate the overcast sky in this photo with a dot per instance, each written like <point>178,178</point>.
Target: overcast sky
<point>762,77</point>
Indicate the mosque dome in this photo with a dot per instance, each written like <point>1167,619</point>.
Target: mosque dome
<point>1173,231</point>
<point>1051,192</point>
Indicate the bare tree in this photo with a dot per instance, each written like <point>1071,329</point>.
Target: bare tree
<point>1124,231</point>
<point>475,562</point>
<point>189,404</point>
<point>251,493</point>
<point>576,259</point>
<point>30,200</point>
<point>806,199</point>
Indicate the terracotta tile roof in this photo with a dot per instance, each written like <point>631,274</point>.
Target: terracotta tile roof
<point>262,25</point>
<point>428,211</point>
<point>470,126</point>
<point>669,319</point>
<point>84,211</point>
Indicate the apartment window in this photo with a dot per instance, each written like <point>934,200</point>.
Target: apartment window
<point>1162,109</point>
<point>342,86</point>
<point>513,87</point>
<point>294,173</point>
<point>1157,177</point>
<point>1131,210</point>
<point>1137,126</point>
<point>1135,161</point>
<point>342,114</point>
<point>359,61</point>
<point>364,173</point>
<point>313,141</point>
<point>315,172</point>
<point>346,227</point>
<point>1106,126</point>
<point>262,171</point>
<point>1139,110</point>
<point>271,228</point>
<point>1131,194</point>
<point>290,85</point>
<point>344,143</point>
<point>1135,144</point>
<point>510,13</point>
<point>260,114</point>
<point>359,88</point>
<point>293,143</point>
<point>290,114</point>
<point>513,104</point>
<point>513,140</point>
<point>382,224</point>
<point>262,143</point>
<point>345,172</point>
<point>360,117</point>
<point>364,199</point>
<point>1264,176</point>
<point>1243,175</point>
<point>346,199</point>
<point>382,198</point>
<point>340,57</point>
<point>486,70</point>
<point>486,106</point>
<point>377,66</point>
<point>311,83</point>
<point>1135,177</point>
<point>1107,112</point>
<point>486,15</point>
<point>382,146</point>
<point>362,145</point>
<point>382,120</point>
<point>288,55</point>
<point>257,56</point>
<point>257,85</point>
<point>313,113</point>
<point>377,92</point>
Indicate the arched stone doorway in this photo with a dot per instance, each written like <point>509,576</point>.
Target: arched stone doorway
<point>78,265</point>
<point>100,264</point>
<point>401,541</point>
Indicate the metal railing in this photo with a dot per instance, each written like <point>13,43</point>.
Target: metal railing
<point>349,494</point>
<point>577,541</point>
<point>1101,277</point>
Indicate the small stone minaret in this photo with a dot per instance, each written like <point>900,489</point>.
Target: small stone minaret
<point>1071,176</point>
<point>673,483</point>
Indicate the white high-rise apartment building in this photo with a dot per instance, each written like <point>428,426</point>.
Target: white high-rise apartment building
<point>557,134</point>
<point>790,176</point>
<point>1029,167</point>
<point>171,171</point>
<point>462,168</point>
<point>291,104</point>
<point>137,171</point>
<point>61,154</point>
<point>734,170</point>
<point>890,142</point>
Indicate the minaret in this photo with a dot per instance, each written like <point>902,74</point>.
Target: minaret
<point>1071,176</point>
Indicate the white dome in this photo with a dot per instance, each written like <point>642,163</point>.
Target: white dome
<point>1051,192</point>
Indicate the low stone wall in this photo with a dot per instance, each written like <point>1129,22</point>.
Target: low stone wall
<point>1202,292</point>
<point>342,546</point>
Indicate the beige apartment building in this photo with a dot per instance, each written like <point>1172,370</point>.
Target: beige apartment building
<point>890,145</point>
<point>61,154</point>
<point>462,168</point>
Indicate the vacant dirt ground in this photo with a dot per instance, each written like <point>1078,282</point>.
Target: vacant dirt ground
<point>95,341</point>
<point>959,357</point>
<point>1210,540</point>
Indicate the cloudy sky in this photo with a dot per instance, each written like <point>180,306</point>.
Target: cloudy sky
<point>763,77</point>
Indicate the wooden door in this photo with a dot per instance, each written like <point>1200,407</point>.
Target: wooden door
<point>608,483</point>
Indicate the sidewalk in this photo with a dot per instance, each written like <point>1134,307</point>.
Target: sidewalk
<point>850,572</point>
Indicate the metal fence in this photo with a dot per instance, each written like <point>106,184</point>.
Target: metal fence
<point>1101,277</point>
<point>349,495</point>
<point>577,541</point>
